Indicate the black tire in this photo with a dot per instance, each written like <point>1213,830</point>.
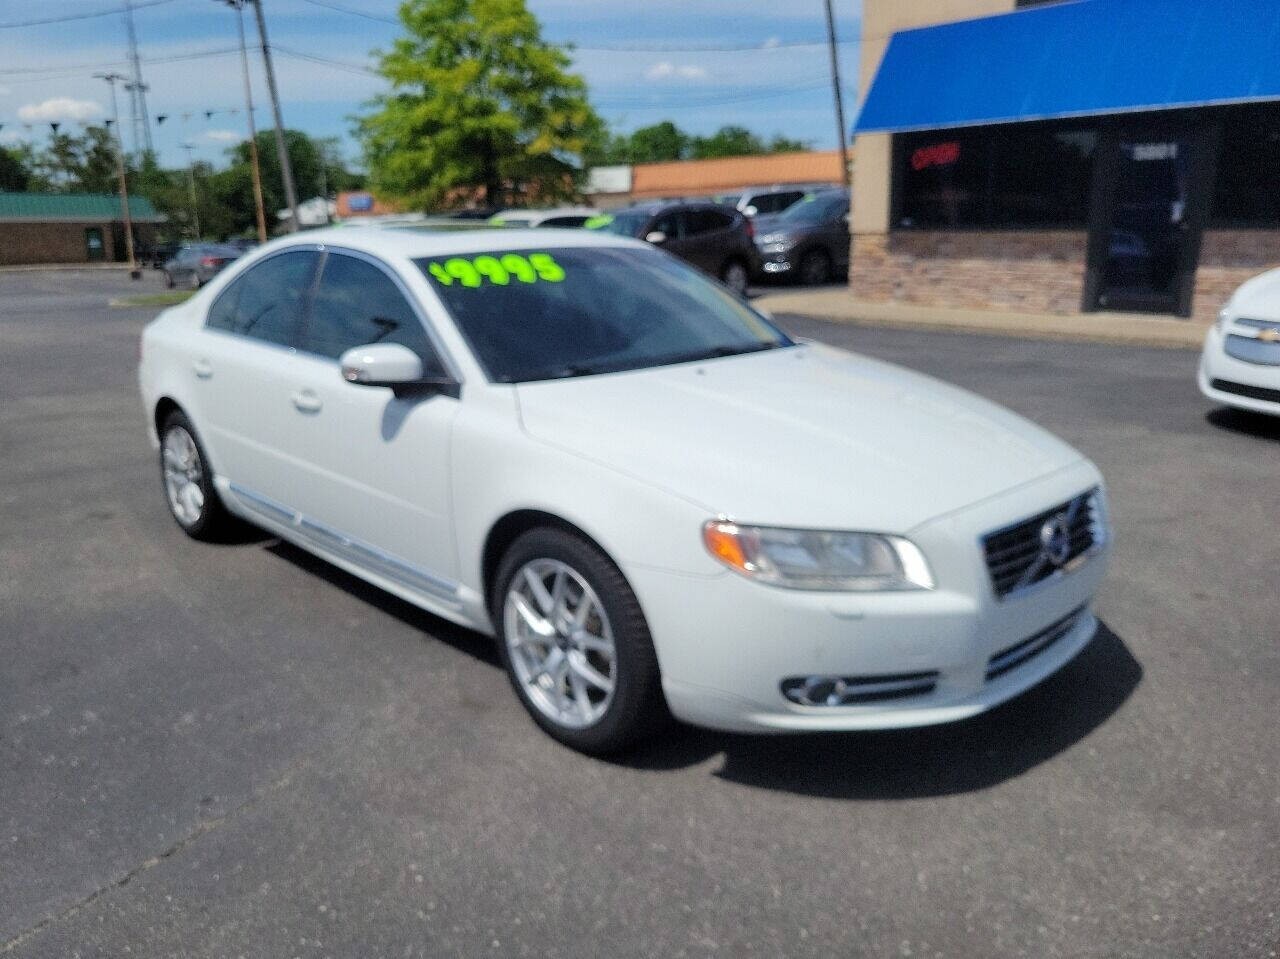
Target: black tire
<point>815,268</point>
<point>637,710</point>
<point>736,275</point>
<point>168,280</point>
<point>213,523</point>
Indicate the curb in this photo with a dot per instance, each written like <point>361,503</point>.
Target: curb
<point>1115,329</point>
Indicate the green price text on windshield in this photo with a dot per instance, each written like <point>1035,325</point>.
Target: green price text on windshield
<point>499,270</point>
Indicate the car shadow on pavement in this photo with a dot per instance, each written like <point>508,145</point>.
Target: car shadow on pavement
<point>1258,425</point>
<point>464,640</point>
<point>932,761</point>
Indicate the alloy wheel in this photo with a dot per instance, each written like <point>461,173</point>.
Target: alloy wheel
<point>182,475</point>
<point>560,643</point>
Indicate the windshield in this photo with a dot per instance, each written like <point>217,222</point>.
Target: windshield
<point>546,314</point>
<point>814,208</point>
<point>624,223</point>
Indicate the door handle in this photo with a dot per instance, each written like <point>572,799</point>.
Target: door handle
<point>306,401</point>
<point>203,368</point>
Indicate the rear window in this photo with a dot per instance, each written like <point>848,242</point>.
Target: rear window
<point>552,313</point>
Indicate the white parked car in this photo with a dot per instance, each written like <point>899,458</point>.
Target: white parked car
<point>560,216</point>
<point>655,499</point>
<point>1240,364</point>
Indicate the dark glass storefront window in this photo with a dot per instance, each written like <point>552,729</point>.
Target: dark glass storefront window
<point>1248,186</point>
<point>1000,176</point>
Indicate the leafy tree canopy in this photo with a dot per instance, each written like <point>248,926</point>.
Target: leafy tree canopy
<point>478,100</point>
<point>665,141</point>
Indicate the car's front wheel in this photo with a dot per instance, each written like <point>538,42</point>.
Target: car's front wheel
<point>815,268</point>
<point>168,280</point>
<point>188,482</point>
<point>575,643</point>
<point>735,276</point>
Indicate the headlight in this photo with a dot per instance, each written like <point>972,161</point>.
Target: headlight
<point>818,559</point>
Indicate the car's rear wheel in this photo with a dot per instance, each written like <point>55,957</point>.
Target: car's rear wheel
<point>188,482</point>
<point>815,268</point>
<point>575,643</point>
<point>735,276</point>
<point>195,280</point>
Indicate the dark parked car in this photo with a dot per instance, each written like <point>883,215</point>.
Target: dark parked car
<point>807,242</point>
<point>197,264</point>
<point>714,238</point>
<point>158,254</point>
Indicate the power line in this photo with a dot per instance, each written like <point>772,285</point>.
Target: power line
<point>616,47</point>
<point>67,18</point>
<point>326,61</point>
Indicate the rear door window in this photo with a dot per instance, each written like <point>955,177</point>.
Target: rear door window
<point>269,300</point>
<point>708,221</point>
<point>357,303</point>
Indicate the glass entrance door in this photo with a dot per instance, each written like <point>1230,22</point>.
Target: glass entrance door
<point>1146,247</point>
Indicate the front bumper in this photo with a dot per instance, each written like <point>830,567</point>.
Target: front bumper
<point>777,262</point>
<point>726,645</point>
<point>1263,381</point>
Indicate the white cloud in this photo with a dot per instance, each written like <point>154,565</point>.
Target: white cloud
<point>666,70</point>
<point>223,136</point>
<point>772,43</point>
<point>60,109</point>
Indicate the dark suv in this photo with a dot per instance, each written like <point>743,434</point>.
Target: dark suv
<point>716,239</point>
<point>807,242</point>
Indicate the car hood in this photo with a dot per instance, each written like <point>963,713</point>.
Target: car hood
<point>1259,297</point>
<point>808,436</point>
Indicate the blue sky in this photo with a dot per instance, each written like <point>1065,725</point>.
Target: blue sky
<point>46,71</point>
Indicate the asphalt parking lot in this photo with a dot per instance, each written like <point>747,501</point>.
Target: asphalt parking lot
<point>237,751</point>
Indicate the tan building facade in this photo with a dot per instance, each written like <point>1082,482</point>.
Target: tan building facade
<point>1148,206</point>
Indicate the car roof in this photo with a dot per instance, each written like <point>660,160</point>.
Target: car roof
<point>413,243</point>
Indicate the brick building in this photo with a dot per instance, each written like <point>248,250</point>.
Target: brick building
<point>70,227</point>
<point>687,178</point>
<point>1065,157</point>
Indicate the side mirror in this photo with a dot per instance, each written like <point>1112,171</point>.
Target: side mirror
<point>389,364</point>
<point>657,238</point>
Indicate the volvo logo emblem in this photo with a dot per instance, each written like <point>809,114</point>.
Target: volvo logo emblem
<point>1055,540</point>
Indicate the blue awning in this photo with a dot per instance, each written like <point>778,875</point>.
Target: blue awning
<point>1077,59</point>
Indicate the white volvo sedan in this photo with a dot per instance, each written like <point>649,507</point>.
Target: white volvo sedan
<point>655,500</point>
<point>1240,364</point>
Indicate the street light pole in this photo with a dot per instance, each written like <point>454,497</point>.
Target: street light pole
<point>835,84</point>
<point>191,189</point>
<point>286,168</point>
<point>238,5</point>
<point>134,272</point>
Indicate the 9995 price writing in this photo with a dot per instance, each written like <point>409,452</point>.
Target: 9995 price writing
<point>499,270</point>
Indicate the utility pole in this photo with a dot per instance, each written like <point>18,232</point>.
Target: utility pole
<point>137,89</point>
<point>286,168</point>
<point>238,5</point>
<point>191,190</point>
<point>134,272</point>
<point>835,85</point>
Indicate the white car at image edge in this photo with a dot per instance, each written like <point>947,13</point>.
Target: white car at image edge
<point>1240,363</point>
<point>655,500</point>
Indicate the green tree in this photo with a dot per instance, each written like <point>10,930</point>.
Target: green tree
<point>659,143</point>
<point>477,99</point>
<point>728,141</point>
<point>781,144</point>
<point>14,175</point>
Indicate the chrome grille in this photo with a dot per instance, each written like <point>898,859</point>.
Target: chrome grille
<point>1036,549</point>
<point>1019,653</point>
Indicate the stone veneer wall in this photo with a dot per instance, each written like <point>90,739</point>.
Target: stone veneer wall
<point>1227,259</point>
<point>1032,271</point>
